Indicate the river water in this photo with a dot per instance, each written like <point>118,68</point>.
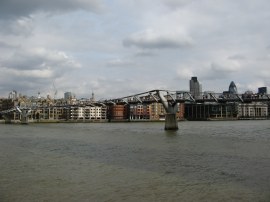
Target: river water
<point>202,161</point>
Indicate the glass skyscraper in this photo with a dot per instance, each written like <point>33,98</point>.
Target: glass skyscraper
<point>232,88</point>
<point>195,87</point>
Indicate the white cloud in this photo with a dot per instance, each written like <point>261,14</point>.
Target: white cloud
<point>120,63</point>
<point>184,73</point>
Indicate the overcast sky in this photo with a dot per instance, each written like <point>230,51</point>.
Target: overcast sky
<point>121,47</point>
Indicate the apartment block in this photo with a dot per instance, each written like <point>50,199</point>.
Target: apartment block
<point>139,112</point>
<point>118,112</point>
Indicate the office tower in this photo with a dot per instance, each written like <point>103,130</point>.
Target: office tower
<point>262,90</point>
<point>232,88</point>
<point>195,87</point>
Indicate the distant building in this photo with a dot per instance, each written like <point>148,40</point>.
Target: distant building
<point>262,90</point>
<point>195,87</point>
<point>252,110</point>
<point>86,113</point>
<point>157,111</point>
<point>223,111</point>
<point>210,111</point>
<point>232,91</point>
<point>13,95</point>
<point>139,111</point>
<point>69,95</point>
<point>118,112</point>
<point>232,88</point>
<point>92,99</point>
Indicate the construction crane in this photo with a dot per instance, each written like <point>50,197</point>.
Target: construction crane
<point>55,91</point>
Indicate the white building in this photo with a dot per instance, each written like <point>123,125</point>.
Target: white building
<point>88,113</point>
<point>253,110</point>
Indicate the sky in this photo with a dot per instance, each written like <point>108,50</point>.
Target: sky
<point>117,48</point>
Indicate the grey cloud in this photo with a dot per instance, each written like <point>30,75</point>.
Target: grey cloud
<point>38,58</point>
<point>145,54</point>
<point>215,31</point>
<point>177,3</point>
<point>19,8</point>
<point>222,69</point>
<point>237,57</point>
<point>217,71</point>
<point>7,45</point>
<point>22,82</point>
<point>34,69</point>
<point>150,39</point>
<point>120,63</point>
<point>21,26</point>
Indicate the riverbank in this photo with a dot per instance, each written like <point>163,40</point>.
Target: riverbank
<point>125,120</point>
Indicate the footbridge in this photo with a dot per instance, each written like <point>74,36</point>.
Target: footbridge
<point>170,100</point>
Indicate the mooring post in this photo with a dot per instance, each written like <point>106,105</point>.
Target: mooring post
<point>171,109</point>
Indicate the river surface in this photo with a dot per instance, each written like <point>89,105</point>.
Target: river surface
<point>202,161</point>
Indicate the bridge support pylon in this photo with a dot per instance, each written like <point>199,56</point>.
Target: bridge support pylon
<point>171,109</point>
<point>24,116</point>
<point>171,122</point>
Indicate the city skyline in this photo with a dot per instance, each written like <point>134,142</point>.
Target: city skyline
<point>116,48</point>
<point>195,88</point>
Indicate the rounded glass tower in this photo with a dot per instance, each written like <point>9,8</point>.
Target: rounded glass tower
<point>232,88</point>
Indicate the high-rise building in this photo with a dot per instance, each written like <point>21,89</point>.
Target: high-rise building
<point>195,87</point>
<point>232,88</point>
<point>262,90</point>
<point>92,99</point>
<point>69,95</point>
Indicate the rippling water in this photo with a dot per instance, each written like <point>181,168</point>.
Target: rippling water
<point>202,161</point>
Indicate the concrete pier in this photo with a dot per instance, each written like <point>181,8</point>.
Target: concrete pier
<point>24,117</point>
<point>171,109</point>
<point>171,122</point>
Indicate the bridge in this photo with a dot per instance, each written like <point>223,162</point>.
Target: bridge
<point>169,99</point>
<point>152,96</point>
<point>23,111</point>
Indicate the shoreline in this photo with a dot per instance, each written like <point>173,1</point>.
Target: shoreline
<point>124,121</point>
